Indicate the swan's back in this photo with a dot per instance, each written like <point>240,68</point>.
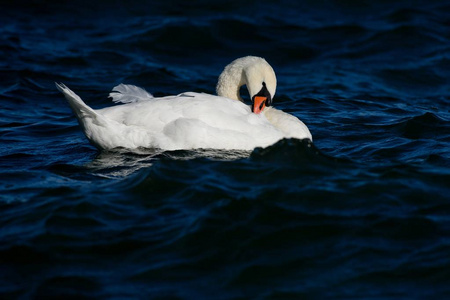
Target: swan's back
<point>196,120</point>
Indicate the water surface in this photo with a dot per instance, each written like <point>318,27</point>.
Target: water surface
<point>363,212</point>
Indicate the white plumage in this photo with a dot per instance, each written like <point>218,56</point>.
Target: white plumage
<point>190,120</point>
<point>127,93</point>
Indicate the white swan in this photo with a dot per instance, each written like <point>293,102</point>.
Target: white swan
<point>192,120</point>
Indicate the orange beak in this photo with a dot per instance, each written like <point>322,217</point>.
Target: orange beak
<point>259,103</point>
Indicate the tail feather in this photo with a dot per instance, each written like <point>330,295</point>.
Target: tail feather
<point>80,109</point>
<point>101,131</point>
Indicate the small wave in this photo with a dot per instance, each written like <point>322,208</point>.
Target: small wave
<point>293,152</point>
<point>414,80</point>
<point>395,44</point>
<point>68,286</point>
<point>178,38</point>
<point>426,126</point>
<point>408,15</point>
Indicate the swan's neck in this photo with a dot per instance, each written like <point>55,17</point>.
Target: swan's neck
<point>252,71</point>
<point>230,82</point>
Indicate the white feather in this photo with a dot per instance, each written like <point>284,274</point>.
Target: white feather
<point>190,120</point>
<point>127,93</point>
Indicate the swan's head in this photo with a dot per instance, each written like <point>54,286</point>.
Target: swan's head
<point>256,74</point>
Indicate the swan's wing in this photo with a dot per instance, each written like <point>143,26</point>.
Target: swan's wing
<point>127,93</point>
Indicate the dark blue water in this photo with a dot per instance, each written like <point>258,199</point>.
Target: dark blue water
<point>364,212</point>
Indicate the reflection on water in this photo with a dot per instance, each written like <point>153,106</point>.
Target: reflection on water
<point>119,163</point>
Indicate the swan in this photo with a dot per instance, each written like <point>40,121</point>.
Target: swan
<point>192,120</point>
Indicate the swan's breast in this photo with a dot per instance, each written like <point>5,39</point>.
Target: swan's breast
<point>290,125</point>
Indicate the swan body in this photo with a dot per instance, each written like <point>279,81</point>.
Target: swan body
<point>192,120</point>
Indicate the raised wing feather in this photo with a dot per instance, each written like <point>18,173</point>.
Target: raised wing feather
<point>127,93</point>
